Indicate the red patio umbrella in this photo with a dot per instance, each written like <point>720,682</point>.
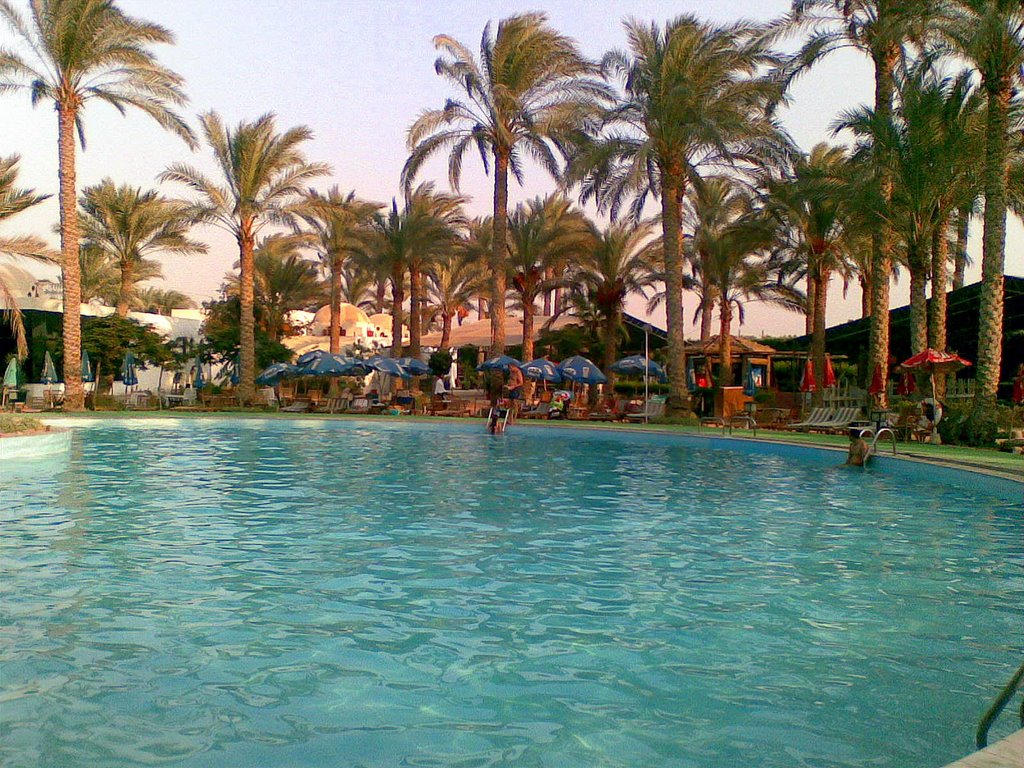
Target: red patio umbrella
<point>877,382</point>
<point>1018,387</point>
<point>807,380</point>
<point>907,384</point>
<point>830,373</point>
<point>933,361</point>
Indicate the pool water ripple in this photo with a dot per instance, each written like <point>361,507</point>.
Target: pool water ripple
<point>271,593</point>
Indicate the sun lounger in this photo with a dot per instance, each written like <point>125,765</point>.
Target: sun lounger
<point>539,412</point>
<point>817,417</point>
<point>299,406</point>
<point>359,405</point>
<point>655,409</point>
<point>840,422</point>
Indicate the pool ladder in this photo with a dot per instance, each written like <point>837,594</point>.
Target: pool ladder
<point>981,735</point>
<point>876,436</point>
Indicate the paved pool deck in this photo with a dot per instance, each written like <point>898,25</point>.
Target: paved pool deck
<point>1007,753</point>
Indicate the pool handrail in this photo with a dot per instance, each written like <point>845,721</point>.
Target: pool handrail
<point>981,735</point>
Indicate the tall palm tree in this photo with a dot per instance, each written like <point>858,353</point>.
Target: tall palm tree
<point>810,205</point>
<point>694,100</point>
<point>263,175</point>
<point>542,233</point>
<point>733,237</point>
<point>73,52</point>
<point>283,280</point>
<point>528,94</point>
<point>882,29</point>
<point>14,200</point>
<point>930,145</point>
<point>989,34</point>
<point>101,276</point>
<point>131,225</point>
<point>342,225</point>
<point>477,247</point>
<point>618,264</point>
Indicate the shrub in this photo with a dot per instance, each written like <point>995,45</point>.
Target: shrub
<point>12,424</point>
<point>962,424</point>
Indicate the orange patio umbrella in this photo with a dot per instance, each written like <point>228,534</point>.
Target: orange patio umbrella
<point>830,373</point>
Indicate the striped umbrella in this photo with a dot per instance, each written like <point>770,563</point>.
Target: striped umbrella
<point>49,370</point>
<point>87,374</point>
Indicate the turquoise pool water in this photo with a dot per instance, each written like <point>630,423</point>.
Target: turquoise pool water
<point>274,593</point>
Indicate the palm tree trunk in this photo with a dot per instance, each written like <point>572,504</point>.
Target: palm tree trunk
<point>725,343</point>
<point>335,331</point>
<point>480,310</point>
<point>446,331</point>
<point>885,60</point>
<point>990,329</point>
<point>528,317</point>
<point>672,255</point>
<point>940,270</point>
<point>612,323</point>
<point>865,296</point>
<point>963,232</point>
<point>397,320</point>
<point>818,335</point>
<point>124,299</point>
<point>809,308</point>
<point>247,321</point>
<point>415,310</point>
<point>498,249</point>
<point>379,294</point>
<point>918,300</point>
<point>706,317</point>
<point>71,275</point>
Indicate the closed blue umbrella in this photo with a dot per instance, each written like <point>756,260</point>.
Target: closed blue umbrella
<point>499,363</point>
<point>11,374</point>
<point>386,365</point>
<point>749,383</point>
<point>635,365</point>
<point>274,373</point>
<point>541,370</point>
<point>691,375</point>
<point>582,371</point>
<point>49,370</point>
<point>87,374</point>
<point>128,376</point>
<point>414,365</point>
<point>198,381</point>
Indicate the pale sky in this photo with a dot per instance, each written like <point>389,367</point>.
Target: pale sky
<point>358,73</point>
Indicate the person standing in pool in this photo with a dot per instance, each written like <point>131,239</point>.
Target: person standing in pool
<point>860,451</point>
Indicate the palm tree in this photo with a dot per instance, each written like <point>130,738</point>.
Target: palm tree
<point>354,286</point>
<point>618,264</point>
<point>694,100</point>
<point>732,237</point>
<point>477,247</point>
<point>452,283</point>
<point>76,51</point>
<point>131,225</point>
<point>342,225</point>
<point>815,231</point>
<point>930,147</point>
<point>283,280</point>
<point>882,29</point>
<point>990,35</point>
<point>543,233</point>
<point>262,179</point>
<point>161,301</point>
<point>410,237</point>
<point>529,93</point>
<point>14,200</point>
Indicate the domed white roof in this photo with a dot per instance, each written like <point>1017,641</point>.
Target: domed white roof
<point>351,315</point>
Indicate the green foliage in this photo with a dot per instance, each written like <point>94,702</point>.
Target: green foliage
<point>568,341</point>
<point>222,332</point>
<point>964,424</point>
<point>440,362</point>
<point>108,339</point>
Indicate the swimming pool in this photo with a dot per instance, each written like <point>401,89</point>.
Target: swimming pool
<point>281,593</point>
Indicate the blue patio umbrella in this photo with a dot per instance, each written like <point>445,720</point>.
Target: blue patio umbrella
<point>198,381</point>
<point>582,371</point>
<point>49,370</point>
<point>414,365</point>
<point>635,365</point>
<point>691,376</point>
<point>310,356</point>
<point>499,363</point>
<point>541,370</point>
<point>128,376</point>
<point>11,374</point>
<point>357,368</point>
<point>324,365</point>
<point>87,374</point>
<point>274,373</point>
<point>387,366</point>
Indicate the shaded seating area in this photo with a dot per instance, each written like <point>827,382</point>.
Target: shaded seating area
<point>654,409</point>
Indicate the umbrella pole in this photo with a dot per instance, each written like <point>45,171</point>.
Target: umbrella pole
<point>935,438</point>
<point>647,371</point>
